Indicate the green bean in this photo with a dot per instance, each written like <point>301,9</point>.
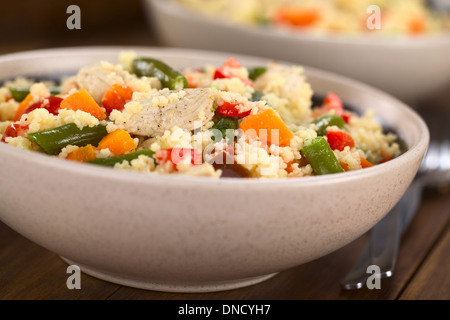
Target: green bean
<point>254,73</point>
<point>170,78</point>
<point>321,158</point>
<point>256,95</point>
<point>224,124</point>
<point>110,162</point>
<point>53,140</point>
<point>326,121</point>
<point>19,93</point>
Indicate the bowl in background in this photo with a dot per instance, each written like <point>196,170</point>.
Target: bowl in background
<point>411,69</point>
<point>193,234</point>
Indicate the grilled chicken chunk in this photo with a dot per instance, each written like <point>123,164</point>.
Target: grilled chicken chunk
<point>97,79</point>
<point>166,109</point>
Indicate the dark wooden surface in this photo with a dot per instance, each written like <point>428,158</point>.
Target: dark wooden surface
<point>28,271</point>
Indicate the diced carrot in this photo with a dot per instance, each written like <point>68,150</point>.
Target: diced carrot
<point>192,81</point>
<point>417,24</point>
<point>82,100</point>
<point>232,63</point>
<point>28,101</point>
<point>296,16</point>
<point>344,166</point>
<point>290,166</point>
<point>387,158</point>
<point>118,142</point>
<point>365,163</point>
<point>116,97</point>
<point>264,124</point>
<point>83,154</point>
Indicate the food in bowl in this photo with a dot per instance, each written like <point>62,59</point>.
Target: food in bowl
<point>217,121</point>
<point>397,17</point>
<point>191,234</point>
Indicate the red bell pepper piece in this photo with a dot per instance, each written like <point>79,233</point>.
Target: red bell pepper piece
<point>333,102</point>
<point>346,116</point>
<point>116,97</point>
<point>232,110</point>
<point>338,140</point>
<point>15,130</point>
<point>226,71</point>
<point>51,104</point>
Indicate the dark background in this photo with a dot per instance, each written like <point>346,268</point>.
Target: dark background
<point>35,24</point>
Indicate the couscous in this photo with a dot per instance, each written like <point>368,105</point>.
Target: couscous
<point>218,121</point>
<point>393,17</point>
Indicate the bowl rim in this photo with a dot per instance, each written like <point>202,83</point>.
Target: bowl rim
<point>180,11</point>
<point>44,160</point>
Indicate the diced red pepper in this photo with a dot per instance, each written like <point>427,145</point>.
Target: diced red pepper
<point>15,130</point>
<point>226,71</point>
<point>231,110</point>
<point>116,97</point>
<point>176,155</point>
<point>51,104</point>
<point>220,74</point>
<point>338,140</point>
<point>333,102</point>
<point>346,116</point>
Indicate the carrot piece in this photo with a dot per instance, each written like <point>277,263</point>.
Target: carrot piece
<point>118,142</point>
<point>417,25</point>
<point>365,163</point>
<point>264,124</point>
<point>82,100</point>
<point>28,101</point>
<point>296,16</point>
<point>116,97</point>
<point>83,154</point>
<point>344,166</point>
<point>387,158</point>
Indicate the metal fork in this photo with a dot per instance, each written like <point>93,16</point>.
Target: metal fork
<point>385,236</point>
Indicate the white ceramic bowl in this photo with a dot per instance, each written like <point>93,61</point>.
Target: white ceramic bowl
<point>411,69</point>
<point>175,233</point>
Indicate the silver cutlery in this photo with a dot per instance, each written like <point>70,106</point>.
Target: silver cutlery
<point>385,236</point>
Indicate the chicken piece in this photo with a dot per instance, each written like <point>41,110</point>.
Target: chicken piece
<point>165,109</point>
<point>97,79</point>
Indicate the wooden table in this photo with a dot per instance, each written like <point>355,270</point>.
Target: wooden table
<point>28,271</point>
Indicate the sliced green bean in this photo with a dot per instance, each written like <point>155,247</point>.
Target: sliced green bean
<point>224,124</point>
<point>256,95</point>
<point>110,162</point>
<point>256,72</point>
<point>169,77</point>
<point>20,93</point>
<point>326,121</point>
<point>321,158</point>
<point>53,140</point>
